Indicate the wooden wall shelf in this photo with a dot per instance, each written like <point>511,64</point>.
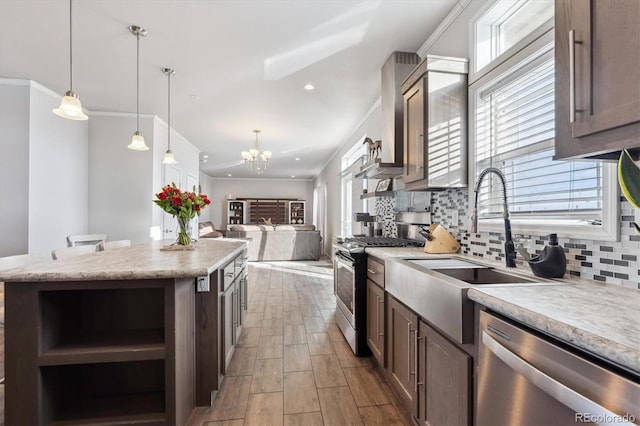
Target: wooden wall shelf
<point>377,194</point>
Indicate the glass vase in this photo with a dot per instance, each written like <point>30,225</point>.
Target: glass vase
<point>184,237</point>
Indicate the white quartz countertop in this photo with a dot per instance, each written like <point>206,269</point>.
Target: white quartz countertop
<point>138,261</point>
<point>602,319</point>
<point>599,318</point>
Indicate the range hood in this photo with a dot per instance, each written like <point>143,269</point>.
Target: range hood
<point>394,71</point>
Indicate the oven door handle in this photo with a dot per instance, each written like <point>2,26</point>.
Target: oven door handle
<point>344,261</point>
<point>558,391</point>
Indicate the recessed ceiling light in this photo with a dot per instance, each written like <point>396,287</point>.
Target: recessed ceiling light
<point>293,176</point>
<point>194,97</point>
<point>229,175</point>
<point>297,158</point>
<point>205,156</point>
<point>309,86</point>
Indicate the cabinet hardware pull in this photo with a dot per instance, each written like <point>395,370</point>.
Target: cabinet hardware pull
<point>572,76</point>
<point>409,372</point>
<point>371,271</point>
<point>228,274</point>
<point>378,316</point>
<point>380,302</point>
<point>417,148</point>
<point>415,362</point>
<point>234,310</point>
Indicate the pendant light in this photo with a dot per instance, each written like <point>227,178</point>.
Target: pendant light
<point>137,141</point>
<point>168,156</point>
<point>70,106</point>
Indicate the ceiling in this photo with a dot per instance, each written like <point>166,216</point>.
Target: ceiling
<point>240,65</point>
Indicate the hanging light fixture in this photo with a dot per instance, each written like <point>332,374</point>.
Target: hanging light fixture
<point>137,141</point>
<point>168,156</point>
<point>70,106</point>
<point>256,160</point>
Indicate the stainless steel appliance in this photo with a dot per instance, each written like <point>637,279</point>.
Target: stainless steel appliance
<point>527,378</point>
<point>350,281</point>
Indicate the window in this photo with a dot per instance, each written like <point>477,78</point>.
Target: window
<point>513,129</point>
<point>506,23</point>
<point>351,188</point>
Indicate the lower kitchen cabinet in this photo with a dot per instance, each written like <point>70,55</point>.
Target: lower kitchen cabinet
<point>220,315</point>
<point>444,392</point>
<point>375,321</point>
<point>229,312</point>
<point>402,335</point>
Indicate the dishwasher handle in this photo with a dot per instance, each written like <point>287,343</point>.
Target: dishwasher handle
<point>567,396</point>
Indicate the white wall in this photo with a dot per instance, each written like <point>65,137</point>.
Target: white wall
<point>43,171</point>
<point>120,179</point>
<point>371,125</point>
<point>206,187</point>
<point>123,182</point>
<point>58,174</point>
<point>454,41</point>
<point>14,167</point>
<point>219,188</point>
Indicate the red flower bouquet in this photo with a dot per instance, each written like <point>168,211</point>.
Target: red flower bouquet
<point>184,206</point>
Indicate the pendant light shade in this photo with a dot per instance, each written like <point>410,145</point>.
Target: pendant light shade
<point>70,106</point>
<point>137,141</point>
<point>168,156</point>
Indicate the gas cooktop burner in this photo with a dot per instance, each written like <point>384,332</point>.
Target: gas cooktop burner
<point>382,242</point>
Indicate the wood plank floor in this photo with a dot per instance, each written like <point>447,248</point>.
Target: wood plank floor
<point>292,365</point>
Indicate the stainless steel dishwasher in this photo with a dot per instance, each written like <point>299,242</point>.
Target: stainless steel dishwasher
<point>525,378</point>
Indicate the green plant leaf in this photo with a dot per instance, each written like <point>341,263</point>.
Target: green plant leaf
<point>629,178</point>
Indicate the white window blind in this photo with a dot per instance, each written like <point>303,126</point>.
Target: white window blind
<point>515,133</point>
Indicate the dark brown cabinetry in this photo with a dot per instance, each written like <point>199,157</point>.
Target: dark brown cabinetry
<point>232,300</point>
<point>104,352</point>
<point>375,320</point>
<point>597,54</point>
<point>402,334</point>
<point>296,212</point>
<point>220,314</point>
<point>444,392</point>
<point>376,309</point>
<point>435,124</point>
<point>237,212</point>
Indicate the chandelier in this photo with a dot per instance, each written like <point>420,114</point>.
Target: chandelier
<point>255,160</point>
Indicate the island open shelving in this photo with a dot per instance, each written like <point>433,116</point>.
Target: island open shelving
<point>85,349</point>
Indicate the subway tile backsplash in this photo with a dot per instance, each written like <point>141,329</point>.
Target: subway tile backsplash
<point>613,262</point>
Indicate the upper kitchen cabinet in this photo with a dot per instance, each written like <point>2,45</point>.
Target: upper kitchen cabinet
<point>435,124</point>
<point>597,53</point>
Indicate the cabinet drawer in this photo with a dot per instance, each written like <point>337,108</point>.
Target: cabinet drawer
<point>240,262</point>
<point>228,275</point>
<point>375,271</point>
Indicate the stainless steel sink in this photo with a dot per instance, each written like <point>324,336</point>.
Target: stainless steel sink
<point>436,289</point>
<point>483,276</point>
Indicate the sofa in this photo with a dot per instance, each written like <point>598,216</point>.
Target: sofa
<point>279,242</point>
<point>207,230</point>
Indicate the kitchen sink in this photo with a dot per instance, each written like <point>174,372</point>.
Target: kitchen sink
<point>483,276</point>
<point>436,289</point>
<point>445,263</point>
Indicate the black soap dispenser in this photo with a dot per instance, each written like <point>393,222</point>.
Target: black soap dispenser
<point>552,262</point>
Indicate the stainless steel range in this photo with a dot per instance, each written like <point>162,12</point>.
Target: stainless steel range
<point>350,281</point>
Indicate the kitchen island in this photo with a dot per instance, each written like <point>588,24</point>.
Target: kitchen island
<point>133,334</point>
